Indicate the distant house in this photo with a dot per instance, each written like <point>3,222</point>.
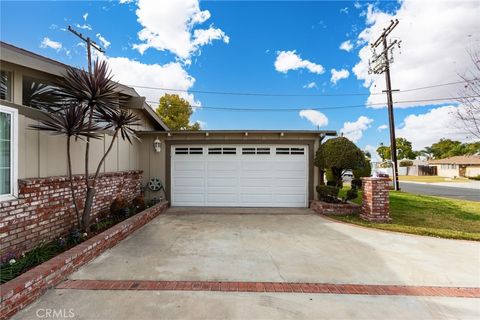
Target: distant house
<point>458,166</point>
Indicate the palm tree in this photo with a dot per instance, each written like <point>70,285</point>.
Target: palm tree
<point>84,106</point>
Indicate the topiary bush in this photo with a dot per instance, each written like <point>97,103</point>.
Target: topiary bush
<point>356,183</point>
<point>328,193</point>
<point>351,194</point>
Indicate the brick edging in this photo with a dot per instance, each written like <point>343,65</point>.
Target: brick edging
<point>292,287</point>
<point>23,290</point>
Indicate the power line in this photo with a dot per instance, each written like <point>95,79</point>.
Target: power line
<point>264,109</point>
<point>271,94</point>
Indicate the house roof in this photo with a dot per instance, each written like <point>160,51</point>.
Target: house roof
<point>464,160</point>
<point>22,57</point>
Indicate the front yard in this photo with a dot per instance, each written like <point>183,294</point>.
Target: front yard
<point>426,215</point>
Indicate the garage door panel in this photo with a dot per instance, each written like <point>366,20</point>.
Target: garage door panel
<point>266,180</point>
<point>188,182</point>
<point>223,198</point>
<point>222,182</point>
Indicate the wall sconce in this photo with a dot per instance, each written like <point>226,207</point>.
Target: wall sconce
<point>157,145</point>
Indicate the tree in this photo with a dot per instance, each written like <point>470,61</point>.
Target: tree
<point>339,155</point>
<point>175,112</point>
<point>384,152</point>
<point>446,148</point>
<point>404,150</point>
<point>469,110</point>
<point>84,105</point>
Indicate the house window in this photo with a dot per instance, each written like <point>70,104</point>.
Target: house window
<point>8,152</point>
<point>6,85</point>
<point>36,93</point>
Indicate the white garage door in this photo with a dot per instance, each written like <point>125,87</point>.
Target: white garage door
<point>239,176</point>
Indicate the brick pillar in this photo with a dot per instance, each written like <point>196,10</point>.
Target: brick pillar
<point>375,202</point>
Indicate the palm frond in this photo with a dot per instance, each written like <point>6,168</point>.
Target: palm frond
<point>69,121</point>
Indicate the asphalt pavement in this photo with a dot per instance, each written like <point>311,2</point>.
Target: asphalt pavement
<point>441,191</point>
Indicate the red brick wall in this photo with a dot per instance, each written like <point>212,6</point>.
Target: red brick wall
<point>375,202</point>
<point>44,209</point>
<point>23,290</point>
<point>334,208</point>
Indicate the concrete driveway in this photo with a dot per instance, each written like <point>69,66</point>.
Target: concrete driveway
<point>271,245</point>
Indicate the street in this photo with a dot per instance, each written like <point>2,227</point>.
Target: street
<point>441,191</point>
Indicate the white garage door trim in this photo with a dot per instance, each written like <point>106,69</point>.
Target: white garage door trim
<point>239,175</point>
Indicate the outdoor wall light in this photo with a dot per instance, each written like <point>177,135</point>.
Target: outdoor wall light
<point>157,145</point>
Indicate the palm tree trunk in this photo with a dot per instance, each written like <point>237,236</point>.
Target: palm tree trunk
<point>91,189</point>
<point>70,178</point>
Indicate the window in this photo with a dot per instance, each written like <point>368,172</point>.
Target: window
<point>262,150</point>
<point>6,85</point>
<point>187,150</point>
<point>224,150</point>
<point>35,92</point>
<point>282,150</point>
<point>8,152</point>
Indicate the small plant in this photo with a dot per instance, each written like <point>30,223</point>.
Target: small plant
<point>119,208</point>
<point>351,194</point>
<point>138,203</point>
<point>406,163</point>
<point>328,193</point>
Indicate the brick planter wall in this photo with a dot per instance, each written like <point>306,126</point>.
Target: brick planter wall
<point>375,201</point>
<point>44,209</point>
<point>23,290</point>
<point>334,208</point>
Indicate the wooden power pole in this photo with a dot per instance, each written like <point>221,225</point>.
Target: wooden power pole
<point>89,43</point>
<point>381,64</point>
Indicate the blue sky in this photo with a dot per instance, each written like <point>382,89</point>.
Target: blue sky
<point>247,39</point>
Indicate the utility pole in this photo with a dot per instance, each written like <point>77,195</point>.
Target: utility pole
<point>89,43</point>
<point>381,64</point>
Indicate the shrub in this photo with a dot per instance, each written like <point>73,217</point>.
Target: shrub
<point>119,208</point>
<point>328,193</point>
<point>356,183</point>
<point>475,177</point>
<point>406,163</point>
<point>365,171</point>
<point>138,203</point>
<point>351,194</point>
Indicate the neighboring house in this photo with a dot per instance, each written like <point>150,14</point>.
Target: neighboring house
<point>458,166</point>
<point>197,168</point>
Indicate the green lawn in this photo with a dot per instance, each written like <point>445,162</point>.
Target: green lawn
<point>431,179</point>
<point>427,215</point>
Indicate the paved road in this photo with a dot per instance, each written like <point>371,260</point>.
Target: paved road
<point>441,191</point>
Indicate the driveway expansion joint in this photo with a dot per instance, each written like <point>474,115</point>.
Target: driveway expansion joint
<point>286,287</point>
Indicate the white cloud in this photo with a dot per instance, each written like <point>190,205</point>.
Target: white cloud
<point>427,128</point>
<point>382,127</point>
<point>338,75</point>
<point>85,16</point>
<point>429,55</point>
<point>171,75</point>
<point>84,26</point>
<point>344,10</point>
<point>125,1</point>
<point>290,60</point>
<point>317,118</point>
<point>105,43</point>
<point>346,45</point>
<point>169,25</point>
<point>310,85</point>
<point>48,43</point>
<point>357,5</point>
<point>354,130</point>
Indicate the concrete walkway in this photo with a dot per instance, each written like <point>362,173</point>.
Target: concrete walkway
<point>271,245</point>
